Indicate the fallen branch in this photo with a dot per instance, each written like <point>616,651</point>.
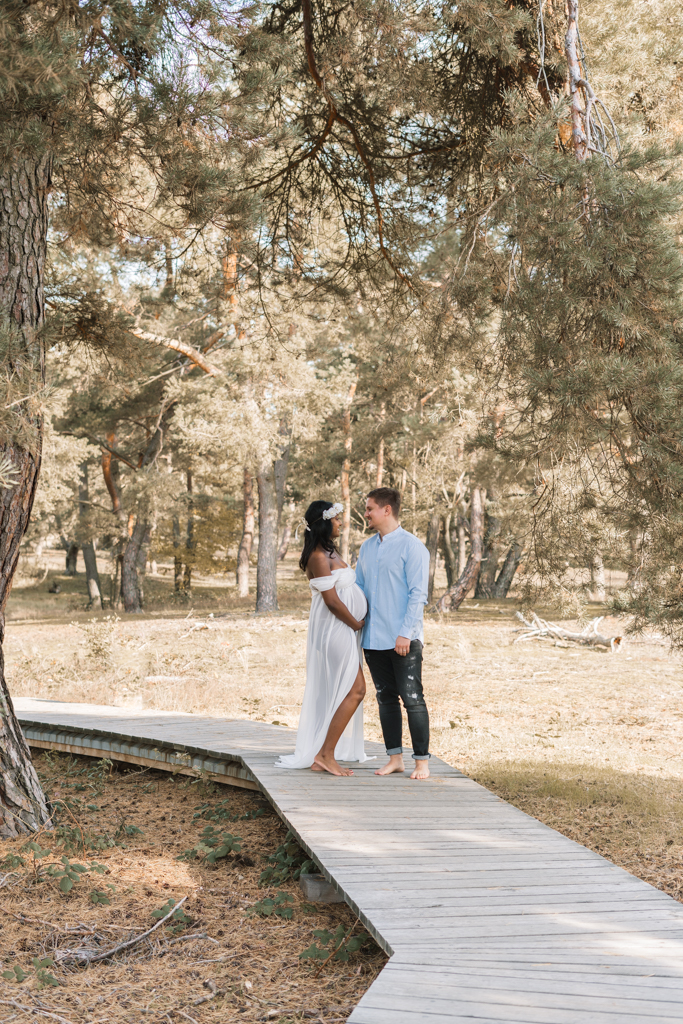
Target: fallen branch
<point>540,629</point>
<point>33,1009</point>
<point>90,956</point>
<point>214,991</point>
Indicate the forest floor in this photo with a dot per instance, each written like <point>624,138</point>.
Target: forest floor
<point>225,955</point>
<point>585,740</point>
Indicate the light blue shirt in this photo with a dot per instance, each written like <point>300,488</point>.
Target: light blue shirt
<point>393,574</point>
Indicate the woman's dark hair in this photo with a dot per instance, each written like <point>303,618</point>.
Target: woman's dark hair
<point>319,533</point>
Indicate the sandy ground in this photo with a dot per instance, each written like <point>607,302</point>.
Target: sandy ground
<point>586,740</point>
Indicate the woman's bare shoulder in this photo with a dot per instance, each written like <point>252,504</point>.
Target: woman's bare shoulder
<point>318,565</point>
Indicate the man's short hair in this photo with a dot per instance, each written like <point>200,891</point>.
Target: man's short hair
<point>383,496</point>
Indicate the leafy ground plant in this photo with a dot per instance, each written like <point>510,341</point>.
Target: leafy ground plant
<point>179,920</point>
<point>288,862</point>
<point>40,971</point>
<point>338,945</point>
<point>213,846</point>
<point>277,905</point>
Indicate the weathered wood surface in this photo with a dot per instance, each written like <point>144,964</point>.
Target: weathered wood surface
<point>488,915</point>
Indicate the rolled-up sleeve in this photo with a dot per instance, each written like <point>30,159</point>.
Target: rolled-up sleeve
<point>417,579</point>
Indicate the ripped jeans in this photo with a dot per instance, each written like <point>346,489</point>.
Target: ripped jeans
<point>400,676</point>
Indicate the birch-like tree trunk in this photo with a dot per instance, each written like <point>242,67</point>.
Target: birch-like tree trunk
<point>432,547</point>
<point>346,470</point>
<point>266,565</point>
<point>456,594</point>
<point>24,187</point>
<point>92,576</point>
<point>244,551</point>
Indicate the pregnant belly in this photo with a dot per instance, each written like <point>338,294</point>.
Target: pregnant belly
<point>354,599</point>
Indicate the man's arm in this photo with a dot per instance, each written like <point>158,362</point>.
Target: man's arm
<point>417,578</point>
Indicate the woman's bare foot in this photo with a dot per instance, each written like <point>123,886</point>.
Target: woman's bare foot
<point>394,764</point>
<point>421,770</point>
<point>328,764</point>
<point>316,768</point>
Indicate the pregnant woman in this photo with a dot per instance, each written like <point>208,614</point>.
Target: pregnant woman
<point>331,722</point>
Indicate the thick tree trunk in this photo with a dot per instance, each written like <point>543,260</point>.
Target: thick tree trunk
<point>489,560</point>
<point>136,549</point>
<point>456,594</point>
<point>24,186</point>
<point>244,552</point>
<point>92,576</point>
<point>507,572</point>
<point>266,567</point>
<point>432,547</point>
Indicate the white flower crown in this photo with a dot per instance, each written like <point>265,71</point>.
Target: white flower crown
<point>329,513</point>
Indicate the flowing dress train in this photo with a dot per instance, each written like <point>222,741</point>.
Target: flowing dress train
<point>333,657</point>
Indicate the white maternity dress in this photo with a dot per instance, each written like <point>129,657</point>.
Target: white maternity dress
<point>333,656</point>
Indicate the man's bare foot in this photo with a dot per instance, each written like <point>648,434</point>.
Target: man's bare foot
<point>421,770</point>
<point>316,768</point>
<point>328,764</point>
<point>394,764</point>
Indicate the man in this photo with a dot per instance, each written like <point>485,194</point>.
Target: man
<point>393,571</point>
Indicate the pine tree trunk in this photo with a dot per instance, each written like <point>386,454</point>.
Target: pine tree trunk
<point>177,558</point>
<point>244,552</point>
<point>456,594</point>
<point>284,543</point>
<point>507,572</point>
<point>24,185</point>
<point>131,588</point>
<point>71,558</point>
<point>597,568</point>
<point>462,546</point>
<point>189,537</point>
<point>87,546</point>
<point>266,567</point>
<point>346,469</point>
<point>449,554</point>
<point>489,561</point>
<point>432,547</point>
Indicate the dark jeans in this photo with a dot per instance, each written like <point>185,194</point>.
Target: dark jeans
<point>400,676</point>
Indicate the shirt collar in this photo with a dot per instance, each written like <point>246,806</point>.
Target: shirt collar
<point>383,540</point>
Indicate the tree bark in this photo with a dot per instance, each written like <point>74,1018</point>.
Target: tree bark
<point>507,572</point>
<point>244,551</point>
<point>462,545</point>
<point>71,557</point>
<point>346,469</point>
<point>456,594</point>
<point>284,543</point>
<point>266,567</point>
<point>177,557</point>
<point>449,554</point>
<point>597,568</point>
<point>489,561</point>
<point>131,587</point>
<point>432,547</point>
<point>92,576</point>
<point>189,537</point>
<point>24,187</point>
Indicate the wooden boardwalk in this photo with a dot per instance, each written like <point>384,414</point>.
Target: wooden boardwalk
<point>489,916</point>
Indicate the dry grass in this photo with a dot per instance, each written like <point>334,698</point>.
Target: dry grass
<point>542,725</point>
<point>253,960</point>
